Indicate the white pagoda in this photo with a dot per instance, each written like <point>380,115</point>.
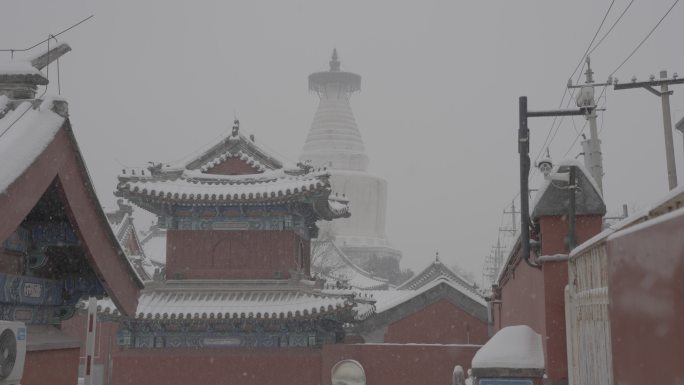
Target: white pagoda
<point>335,142</point>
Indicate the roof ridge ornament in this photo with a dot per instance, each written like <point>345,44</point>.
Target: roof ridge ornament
<point>236,127</point>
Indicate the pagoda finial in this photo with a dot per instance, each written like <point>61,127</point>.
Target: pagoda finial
<point>437,256</point>
<point>334,62</point>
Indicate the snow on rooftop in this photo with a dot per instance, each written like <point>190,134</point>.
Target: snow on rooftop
<point>513,347</point>
<point>548,181</point>
<point>388,299</point>
<point>24,133</point>
<point>231,304</point>
<point>18,68</point>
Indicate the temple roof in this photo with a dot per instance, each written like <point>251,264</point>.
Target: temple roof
<point>336,268</point>
<point>225,300</point>
<point>254,176</point>
<point>38,150</point>
<point>392,305</point>
<point>124,229</point>
<point>433,272</point>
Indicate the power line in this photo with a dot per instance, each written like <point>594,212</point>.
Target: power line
<point>645,38</point>
<point>611,27</point>
<point>46,40</point>
<point>581,61</point>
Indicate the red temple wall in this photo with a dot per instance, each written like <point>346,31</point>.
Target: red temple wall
<point>439,323</point>
<point>278,366</point>
<point>383,364</point>
<point>54,367</point>
<point>212,254</point>
<point>645,286</point>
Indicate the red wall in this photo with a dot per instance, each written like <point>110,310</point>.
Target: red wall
<point>646,290</point>
<point>439,323</point>
<point>217,366</point>
<point>400,364</point>
<point>54,367</point>
<point>383,363</point>
<point>211,254</point>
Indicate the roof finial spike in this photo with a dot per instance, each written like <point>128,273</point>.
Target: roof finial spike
<point>334,61</point>
<point>236,127</point>
<point>437,256</point>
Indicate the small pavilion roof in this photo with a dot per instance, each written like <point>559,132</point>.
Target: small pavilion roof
<point>191,182</point>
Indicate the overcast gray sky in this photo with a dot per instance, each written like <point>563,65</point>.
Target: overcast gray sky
<point>155,80</point>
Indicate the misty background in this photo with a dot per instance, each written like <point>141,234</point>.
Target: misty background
<point>438,110</point>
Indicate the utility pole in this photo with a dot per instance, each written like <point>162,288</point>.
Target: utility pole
<point>514,227</point>
<point>524,151</point>
<point>664,95</point>
<point>593,158</point>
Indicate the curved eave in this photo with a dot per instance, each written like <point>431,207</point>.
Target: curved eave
<point>329,209</point>
<point>235,199</point>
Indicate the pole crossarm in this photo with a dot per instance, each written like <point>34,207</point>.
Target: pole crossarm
<point>652,83</point>
<point>552,113</point>
<point>664,95</point>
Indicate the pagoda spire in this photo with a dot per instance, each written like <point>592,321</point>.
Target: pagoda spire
<point>334,61</point>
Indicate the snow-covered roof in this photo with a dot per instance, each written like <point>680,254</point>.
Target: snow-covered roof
<point>26,129</point>
<point>226,302</point>
<point>20,68</point>
<point>265,180</point>
<point>553,196</point>
<point>332,264</point>
<point>513,347</point>
<point>126,235</point>
<point>387,299</point>
<point>433,272</point>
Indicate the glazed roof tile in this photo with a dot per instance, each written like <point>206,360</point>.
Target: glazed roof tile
<point>228,304</point>
<point>190,182</point>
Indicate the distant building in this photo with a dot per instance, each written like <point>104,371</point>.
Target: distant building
<point>334,142</point>
<point>121,221</point>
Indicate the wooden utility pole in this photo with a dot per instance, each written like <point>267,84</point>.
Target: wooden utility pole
<point>664,95</point>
